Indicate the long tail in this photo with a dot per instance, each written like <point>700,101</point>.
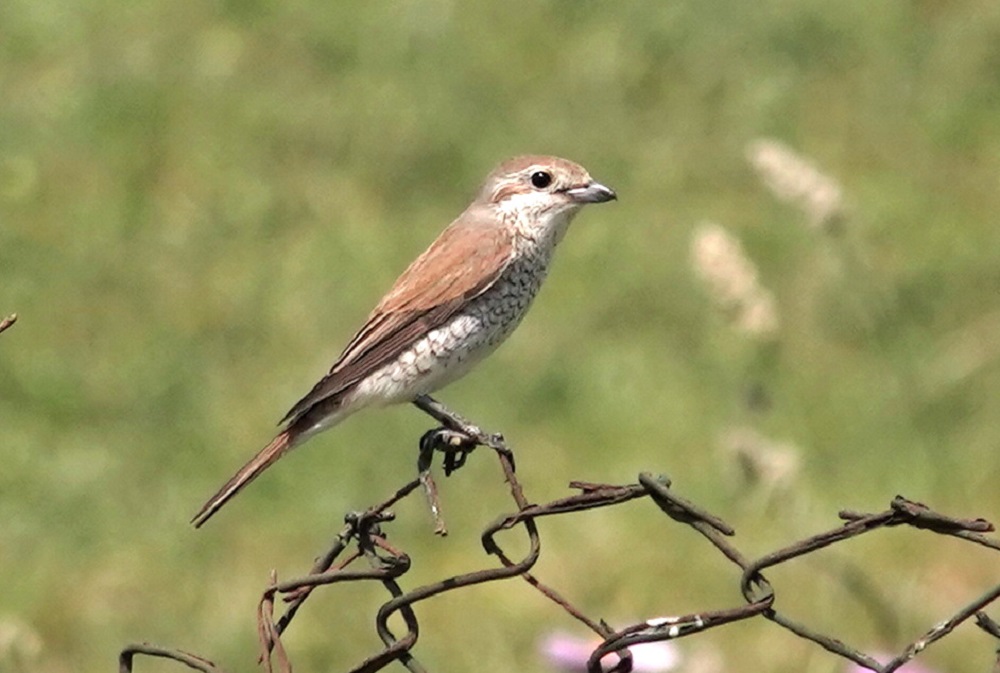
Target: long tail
<point>266,457</point>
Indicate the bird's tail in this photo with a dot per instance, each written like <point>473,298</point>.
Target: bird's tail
<point>266,457</point>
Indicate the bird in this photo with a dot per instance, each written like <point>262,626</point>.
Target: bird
<point>452,307</point>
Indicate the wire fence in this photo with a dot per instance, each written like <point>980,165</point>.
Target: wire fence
<point>361,552</point>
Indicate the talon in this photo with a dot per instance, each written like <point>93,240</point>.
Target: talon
<point>455,459</point>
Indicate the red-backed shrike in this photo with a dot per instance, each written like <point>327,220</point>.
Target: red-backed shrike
<point>451,308</point>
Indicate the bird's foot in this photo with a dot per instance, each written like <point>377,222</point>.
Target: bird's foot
<point>470,435</point>
<point>456,438</point>
<point>456,446</point>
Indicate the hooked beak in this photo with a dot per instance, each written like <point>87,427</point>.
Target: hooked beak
<point>595,192</point>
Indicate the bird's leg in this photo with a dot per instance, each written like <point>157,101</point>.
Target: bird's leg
<point>456,447</point>
<point>449,419</point>
<point>458,437</point>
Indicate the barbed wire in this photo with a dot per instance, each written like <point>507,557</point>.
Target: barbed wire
<point>363,543</point>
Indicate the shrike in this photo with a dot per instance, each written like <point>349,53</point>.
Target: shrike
<point>453,306</point>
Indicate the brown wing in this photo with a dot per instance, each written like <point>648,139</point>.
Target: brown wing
<point>464,261</point>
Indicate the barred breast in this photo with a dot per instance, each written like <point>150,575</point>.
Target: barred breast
<point>448,352</point>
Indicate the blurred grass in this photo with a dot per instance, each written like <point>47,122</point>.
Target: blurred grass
<point>200,202</point>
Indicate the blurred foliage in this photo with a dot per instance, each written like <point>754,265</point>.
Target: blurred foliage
<point>199,202</point>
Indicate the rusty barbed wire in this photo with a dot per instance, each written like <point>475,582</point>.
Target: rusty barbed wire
<point>362,541</point>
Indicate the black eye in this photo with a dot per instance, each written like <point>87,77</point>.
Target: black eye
<point>540,180</point>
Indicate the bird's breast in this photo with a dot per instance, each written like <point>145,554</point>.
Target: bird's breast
<point>450,350</point>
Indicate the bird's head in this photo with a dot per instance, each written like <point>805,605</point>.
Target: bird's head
<point>541,192</point>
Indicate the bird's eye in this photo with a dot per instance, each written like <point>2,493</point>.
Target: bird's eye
<point>540,179</point>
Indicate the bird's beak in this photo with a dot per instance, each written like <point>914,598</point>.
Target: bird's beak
<point>595,192</point>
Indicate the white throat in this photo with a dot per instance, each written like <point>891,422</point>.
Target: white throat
<point>538,220</point>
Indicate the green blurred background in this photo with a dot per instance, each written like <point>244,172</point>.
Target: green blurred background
<point>199,203</point>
